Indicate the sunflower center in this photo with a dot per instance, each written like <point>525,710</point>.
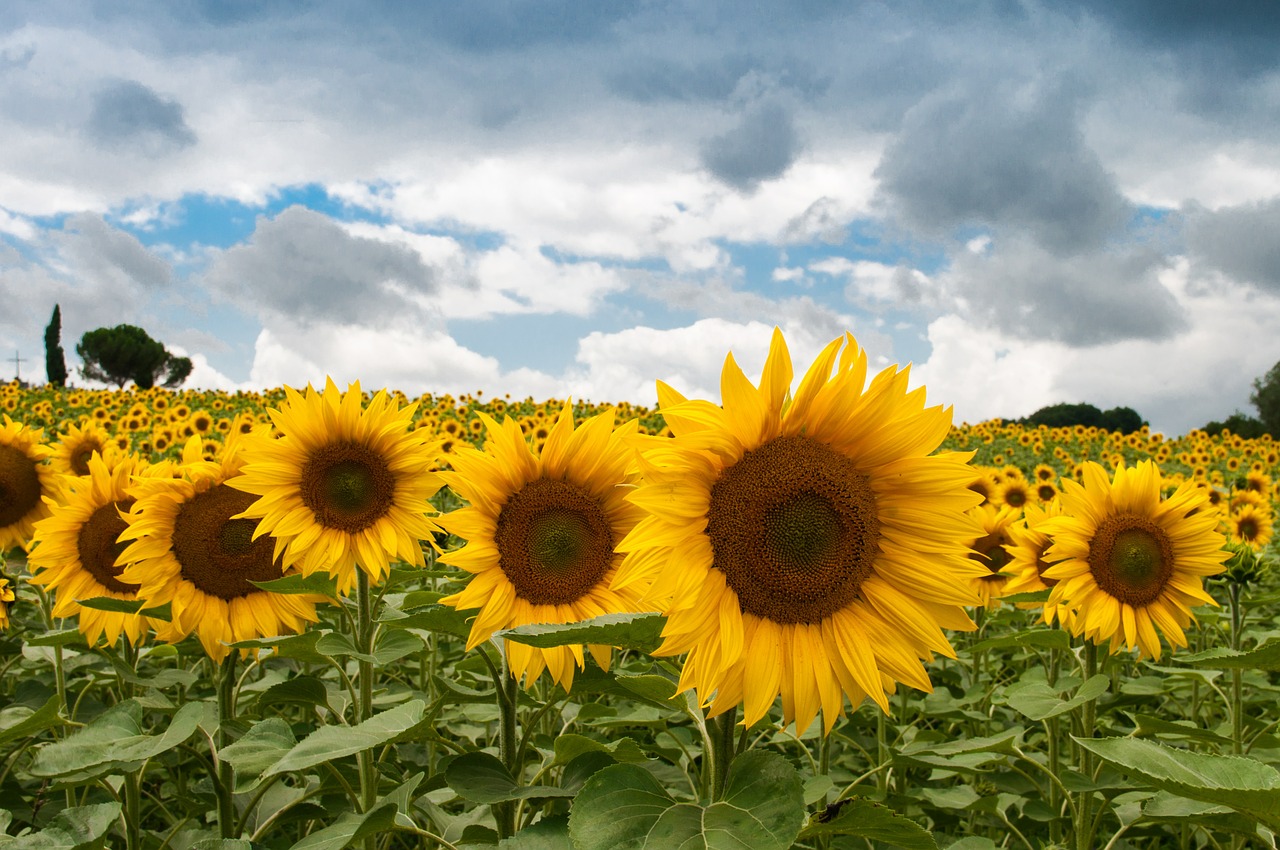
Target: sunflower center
<point>1247,528</point>
<point>794,527</point>
<point>1042,565</point>
<point>82,455</point>
<point>217,553</point>
<point>19,485</point>
<point>99,547</point>
<point>347,486</point>
<point>554,542</point>
<point>1131,559</point>
<point>990,552</point>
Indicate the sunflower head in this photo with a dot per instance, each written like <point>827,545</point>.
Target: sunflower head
<point>27,484</point>
<point>807,546</point>
<point>77,445</point>
<point>541,526</point>
<point>7,598</point>
<point>1130,562</point>
<point>341,486</point>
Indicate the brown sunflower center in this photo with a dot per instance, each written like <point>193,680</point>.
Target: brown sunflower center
<point>82,454</point>
<point>347,486</point>
<point>217,553</point>
<point>989,551</point>
<point>1042,565</point>
<point>1015,497</point>
<point>794,527</point>
<point>19,485</point>
<point>554,542</point>
<point>99,547</point>
<point>1131,559</point>
<point>1247,528</point>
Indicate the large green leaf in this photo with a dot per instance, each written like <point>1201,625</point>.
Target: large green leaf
<point>115,741</point>
<point>19,721</point>
<point>1032,638</point>
<point>1040,701</point>
<point>1264,657</point>
<point>1248,786</point>
<point>78,828</point>
<point>433,618</point>
<point>642,632</point>
<point>481,778</point>
<point>872,821</point>
<point>570,746</point>
<point>547,834</point>
<point>321,584</point>
<point>350,828</point>
<point>333,742</point>
<point>298,647</point>
<point>262,746</point>
<point>624,808</point>
<point>62,637</point>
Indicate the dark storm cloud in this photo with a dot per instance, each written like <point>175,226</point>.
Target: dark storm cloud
<point>653,78</point>
<point>762,146</point>
<point>986,157</point>
<point>1097,298</point>
<point>127,114</point>
<point>1242,242</point>
<point>303,265</point>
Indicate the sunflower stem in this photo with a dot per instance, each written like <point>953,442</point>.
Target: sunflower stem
<point>226,713</point>
<point>721,740</point>
<point>508,689</point>
<point>364,707</point>
<point>133,809</point>
<point>1088,720</point>
<point>1237,690</point>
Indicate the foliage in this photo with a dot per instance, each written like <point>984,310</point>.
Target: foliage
<point>128,353</point>
<point>1239,423</point>
<point>1125,420</point>
<point>55,364</point>
<point>1266,398</point>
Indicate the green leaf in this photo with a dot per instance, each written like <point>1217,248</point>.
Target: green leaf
<point>1264,657</point>
<point>434,618</point>
<point>19,721</point>
<point>223,844</point>
<point>1031,596</point>
<point>872,821</point>
<point>1248,786</point>
<point>321,584</point>
<point>624,806</point>
<point>570,746</point>
<point>642,632</point>
<point>298,647</point>
<point>547,834</point>
<point>334,742</point>
<point>350,828</point>
<point>262,746</point>
<point>115,741</point>
<point>1040,701</point>
<point>115,606</point>
<point>1043,638</point>
<point>64,637</point>
<point>300,690</point>
<point>481,778</point>
<point>1148,726</point>
<point>392,645</point>
<point>78,828</point>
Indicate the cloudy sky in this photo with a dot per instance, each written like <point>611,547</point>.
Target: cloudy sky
<point>1031,202</point>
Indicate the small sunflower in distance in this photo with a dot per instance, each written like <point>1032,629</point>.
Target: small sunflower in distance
<point>341,487</point>
<point>1027,562</point>
<point>190,550</point>
<point>74,449</point>
<point>540,530</point>
<point>27,484</point>
<point>808,547</point>
<point>1130,562</point>
<point>76,551</point>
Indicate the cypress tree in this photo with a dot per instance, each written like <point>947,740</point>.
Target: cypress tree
<point>55,364</point>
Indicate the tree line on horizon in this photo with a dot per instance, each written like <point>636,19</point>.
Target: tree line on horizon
<point>125,353</point>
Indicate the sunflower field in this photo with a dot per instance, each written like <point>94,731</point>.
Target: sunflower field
<point>818,615</point>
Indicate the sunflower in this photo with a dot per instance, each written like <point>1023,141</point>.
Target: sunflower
<point>1014,492</point>
<point>76,553</point>
<point>806,547</point>
<point>1250,524</point>
<point>1129,561</point>
<point>541,529</point>
<point>6,601</point>
<point>989,550</point>
<point>191,551</point>
<point>25,483</point>
<point>1027,560</point>
<point>341,485</point>
<point>74,448</point>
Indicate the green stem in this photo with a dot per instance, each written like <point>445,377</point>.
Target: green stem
<point>508,743</point>
<point>226,713</point>
<point>1237,681</point>
<point>364,628</point>
<point>722,741</point>
<point>1088,721</point>
<point>133,809</point>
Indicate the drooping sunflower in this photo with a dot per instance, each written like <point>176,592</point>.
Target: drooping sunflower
<point>341,485</point>
<point>76,551</point>
<point>1130,562</point>
<point>189,549</point>
<point>25,483</point>
<point>76,446</point>
<point>1027,560</point>
<point>807,547</point>
<point>541,528</point>
<point>990,550</point>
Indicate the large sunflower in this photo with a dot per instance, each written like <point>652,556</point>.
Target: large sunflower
<point>191,551</point>
<point>76,551</point>
<point>25,482</point>
<point>805,546</point>
<point>340,485</point>
<point>1129,561</point>
<point>541,529</point>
